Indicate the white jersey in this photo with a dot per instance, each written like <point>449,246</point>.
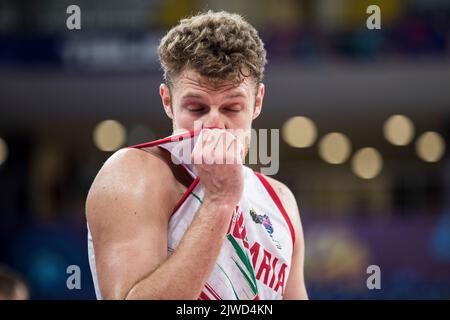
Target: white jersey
<point>255,258</point>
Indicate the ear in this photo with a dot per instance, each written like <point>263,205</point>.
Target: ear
<point>259,100</point>
<point>164,92</point>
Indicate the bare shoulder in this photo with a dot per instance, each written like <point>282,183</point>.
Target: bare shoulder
<point>295,288</point>
<point>129,175</point>
<point>287,199</point>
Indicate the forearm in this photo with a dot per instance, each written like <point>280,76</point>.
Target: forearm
<point>184,273</point>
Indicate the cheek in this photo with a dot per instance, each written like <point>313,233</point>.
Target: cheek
<point>239,122</point>
<point>182,119</point>
<point>244,119</point>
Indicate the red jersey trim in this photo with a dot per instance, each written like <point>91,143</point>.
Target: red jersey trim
<point>213,292</point>
<point>186,195</point>
<point>173,138</point>
<point>278,203</point>
<point>203,296</point>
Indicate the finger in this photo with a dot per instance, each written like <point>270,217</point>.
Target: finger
<point>213,138</point>
<point>234,154</point>
<point>197,151</point>
<point>205,133</point>
<point>209,146</point>
<point>222,146</point>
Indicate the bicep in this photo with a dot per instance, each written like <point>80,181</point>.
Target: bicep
<point>125,257</point>
<point>129,231</point>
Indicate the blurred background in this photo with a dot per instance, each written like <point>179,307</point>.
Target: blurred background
<point>364,118</point>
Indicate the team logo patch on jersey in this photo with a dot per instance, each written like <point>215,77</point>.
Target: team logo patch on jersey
<point>265,221</point>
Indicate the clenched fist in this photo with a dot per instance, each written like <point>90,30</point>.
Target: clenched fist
<point>218,157</point>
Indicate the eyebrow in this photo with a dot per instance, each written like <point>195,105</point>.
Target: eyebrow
<point>192,95</point>
<point>231,95</point>
<point>236,95</point>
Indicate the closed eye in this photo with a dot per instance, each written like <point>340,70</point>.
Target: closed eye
<point>197,108</point>
<point>233,108</point>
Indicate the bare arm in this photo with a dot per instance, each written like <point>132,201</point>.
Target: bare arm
<point>295,286</point>
<point>183,275</point>
<point>128,210</point>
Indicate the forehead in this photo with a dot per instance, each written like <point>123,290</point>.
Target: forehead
<point>191,84</point>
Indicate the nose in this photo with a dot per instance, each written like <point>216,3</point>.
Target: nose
<point>213,120</point>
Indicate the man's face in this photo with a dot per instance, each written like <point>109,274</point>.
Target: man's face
<point>224,106</point>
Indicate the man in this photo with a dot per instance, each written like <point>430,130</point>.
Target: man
<point>208,230</point>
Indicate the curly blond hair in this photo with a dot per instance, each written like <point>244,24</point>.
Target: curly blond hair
<point>218,45</point>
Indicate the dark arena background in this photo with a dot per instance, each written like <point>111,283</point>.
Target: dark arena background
<point>363,114</point>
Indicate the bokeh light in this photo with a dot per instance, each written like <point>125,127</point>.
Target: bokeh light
<point>367,163</point>
<point>109,135</point>
<point>430,146</point>
<point>299,132</point>
<point>3,151</point>
<point>334,148</point>
<point>398,130</point>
